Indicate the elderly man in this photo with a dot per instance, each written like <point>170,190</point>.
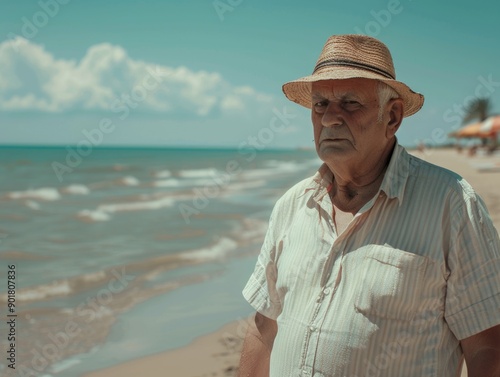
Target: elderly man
<point>380,264</point>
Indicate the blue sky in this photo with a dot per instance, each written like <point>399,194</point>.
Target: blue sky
<point>172,73</point>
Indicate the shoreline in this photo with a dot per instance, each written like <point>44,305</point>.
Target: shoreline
<point>217,354</point>
<point>213,355</point>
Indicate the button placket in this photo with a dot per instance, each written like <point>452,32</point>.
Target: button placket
<point>320,298</point>
<point>306,372</point>
<point>328,289</point>
<point>312,346</point>
<point>314,327</point>
<point>313,330</point>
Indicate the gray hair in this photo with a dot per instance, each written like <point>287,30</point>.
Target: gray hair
<point>385,94</point>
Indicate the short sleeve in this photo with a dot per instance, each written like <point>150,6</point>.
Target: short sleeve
<point>260,290</point>
<point>473,288</point>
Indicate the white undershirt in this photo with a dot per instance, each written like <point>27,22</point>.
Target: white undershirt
<point>341,219</point>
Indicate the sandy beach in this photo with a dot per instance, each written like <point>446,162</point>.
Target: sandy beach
<point>217,354</point>
<point>212,355</point>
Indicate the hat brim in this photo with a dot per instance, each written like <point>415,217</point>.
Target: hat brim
<point>299,91</point>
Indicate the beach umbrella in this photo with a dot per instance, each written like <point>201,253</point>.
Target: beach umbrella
<point>471,131</point>
<point>491,125</point>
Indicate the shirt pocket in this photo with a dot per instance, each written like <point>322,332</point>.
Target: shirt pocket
<point>390,283</point>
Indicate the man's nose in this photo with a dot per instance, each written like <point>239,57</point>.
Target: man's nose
<point>332,116</point>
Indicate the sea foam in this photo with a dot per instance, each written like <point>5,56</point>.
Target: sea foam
<point>76,189</point>
<point>103,212</point>
<point>45,193</point>
<point>220,249</point>
<point>198,173</point>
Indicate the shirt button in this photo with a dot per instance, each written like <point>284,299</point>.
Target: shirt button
<point>327,291</point>
<point>312,328</point>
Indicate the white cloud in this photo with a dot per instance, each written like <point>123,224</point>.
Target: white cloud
<point>232,102</point>
<point>106,78</point>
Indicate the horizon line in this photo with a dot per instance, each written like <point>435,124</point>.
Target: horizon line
<point>212,147</point>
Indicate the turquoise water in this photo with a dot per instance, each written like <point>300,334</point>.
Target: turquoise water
<point>126,240</point>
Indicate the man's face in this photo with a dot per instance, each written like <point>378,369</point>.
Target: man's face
<point>345,120</point>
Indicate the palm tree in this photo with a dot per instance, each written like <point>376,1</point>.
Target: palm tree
<point>479,108</point>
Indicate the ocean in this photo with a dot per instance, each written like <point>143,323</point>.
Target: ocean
<point>119,253</point>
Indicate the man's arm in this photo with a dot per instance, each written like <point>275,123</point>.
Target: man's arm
<point>257,347</point>
<point>482,353</point>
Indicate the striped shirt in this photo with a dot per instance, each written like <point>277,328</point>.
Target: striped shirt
<point>416,270</point>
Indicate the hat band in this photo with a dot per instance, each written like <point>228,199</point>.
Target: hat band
<point>350,63</point>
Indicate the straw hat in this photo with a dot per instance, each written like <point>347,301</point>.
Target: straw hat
<point>353,56</point>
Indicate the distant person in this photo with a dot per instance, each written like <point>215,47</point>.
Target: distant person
<point>381,264</point>
<point>421,147</point>
<point>473,150</point>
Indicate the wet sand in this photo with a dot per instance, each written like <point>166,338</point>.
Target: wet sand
<point>212,355</point>
<point>217,354</point>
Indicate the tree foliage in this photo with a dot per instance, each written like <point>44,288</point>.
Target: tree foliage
<point>479,108</point>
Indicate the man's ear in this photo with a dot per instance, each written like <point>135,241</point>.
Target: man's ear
<point>395,108</point>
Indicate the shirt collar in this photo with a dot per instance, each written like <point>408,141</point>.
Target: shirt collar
<point>397,173</point>
<point>393,184</point>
